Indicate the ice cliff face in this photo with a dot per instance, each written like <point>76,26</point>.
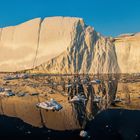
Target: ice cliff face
<point>64,45</point>
<point>88,52</point>
<point>128,53</point>
<point>18,46</point>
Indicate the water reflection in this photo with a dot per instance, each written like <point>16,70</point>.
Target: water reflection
<point>100,92</point>
<point>83,86</point>
<point>25,109</point>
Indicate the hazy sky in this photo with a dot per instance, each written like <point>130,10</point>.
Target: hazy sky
<point>110,17</point>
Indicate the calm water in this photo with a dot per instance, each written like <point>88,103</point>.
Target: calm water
<point>20,116</point>
<point>108,125</point>
<point>115,124</point>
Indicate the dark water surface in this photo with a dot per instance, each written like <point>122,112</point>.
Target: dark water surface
<point>15,128</point>
<point>116,124</point>
<point>112,124</point>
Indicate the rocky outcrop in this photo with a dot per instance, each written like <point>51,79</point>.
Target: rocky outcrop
<point>65,45</point>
